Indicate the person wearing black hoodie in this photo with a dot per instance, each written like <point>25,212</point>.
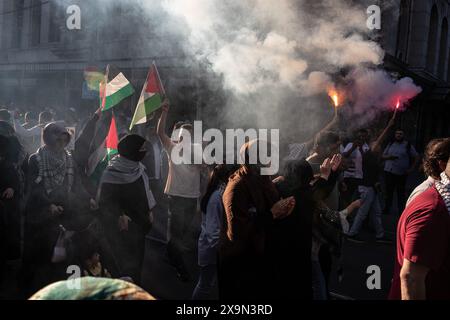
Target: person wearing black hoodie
<point>57,201</point>
<point>126,202</point>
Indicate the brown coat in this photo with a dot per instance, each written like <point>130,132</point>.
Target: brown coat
<point>243,268</point>
<point>247,200</point>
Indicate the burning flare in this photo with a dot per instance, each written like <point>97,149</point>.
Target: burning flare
<point>335,97</point>
<point>397,105</point>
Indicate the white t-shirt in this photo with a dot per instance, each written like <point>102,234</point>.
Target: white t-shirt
<point>355,171</point>
<point>183,180</point>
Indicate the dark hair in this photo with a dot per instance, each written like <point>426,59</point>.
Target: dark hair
<point>30,115</point>
<point>178,125</point>
<point>14,147</point>
<point>187,126</point>
<point>436,150</point>
<point>220,174</point>
<point>362,130</point>
<point>298,174</point>
<point>45,116</point>
<point>5,115</point>
<point>86,244</point>
<point>327,138</point>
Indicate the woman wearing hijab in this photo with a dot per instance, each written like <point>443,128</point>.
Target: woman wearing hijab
<point>126,201</point>
<point>251,204</point>
<point>290,241</point>
<point>57,202</point>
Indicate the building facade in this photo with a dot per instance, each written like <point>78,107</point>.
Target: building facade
<point>42,61</point>
<point>415,37</point>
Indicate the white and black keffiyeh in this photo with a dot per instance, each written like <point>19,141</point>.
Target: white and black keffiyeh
<point>443,188</point>
<point>53,170</point>
<point>120,170</point>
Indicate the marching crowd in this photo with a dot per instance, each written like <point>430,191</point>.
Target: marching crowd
<point>260,237</point>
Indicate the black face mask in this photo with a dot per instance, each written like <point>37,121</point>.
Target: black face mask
<point>138,156</point>
<point>130,147</point>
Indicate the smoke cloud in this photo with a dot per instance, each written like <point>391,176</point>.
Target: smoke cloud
<point>273,61</point>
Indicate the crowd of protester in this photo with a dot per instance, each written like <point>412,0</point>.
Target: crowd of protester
<point>260,237</point>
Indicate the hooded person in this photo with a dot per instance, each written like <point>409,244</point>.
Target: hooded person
<point>56,202</point>
<point>126,201</point>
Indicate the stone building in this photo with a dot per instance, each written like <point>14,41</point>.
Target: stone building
<point>42,61</point>
<point>415,36</point>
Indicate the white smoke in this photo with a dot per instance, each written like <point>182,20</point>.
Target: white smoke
<point>263,43</point>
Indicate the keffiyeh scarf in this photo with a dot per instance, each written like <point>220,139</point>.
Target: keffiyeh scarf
<point>123,171</point>
<point>53,169</point>
<point>443,188</point>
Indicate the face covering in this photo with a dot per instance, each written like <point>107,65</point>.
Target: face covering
<point>130,147</point>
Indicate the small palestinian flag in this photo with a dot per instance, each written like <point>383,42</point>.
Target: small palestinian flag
<point>104,146</point>
<point>116,90</point>
<point>151,98</point>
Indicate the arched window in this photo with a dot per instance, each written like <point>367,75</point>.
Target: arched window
<point>432,40</point>
<point>403,30</point>
<point>443,48</point>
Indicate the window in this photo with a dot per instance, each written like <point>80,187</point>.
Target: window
<point>443,50</point>
<point>111,29</point>
<point>17,25</point>
<point>432,40</point>
<point>56,22</point>
<point>36,15</point>
<point>403,30</point>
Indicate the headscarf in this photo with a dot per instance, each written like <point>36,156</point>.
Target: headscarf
<point>126,168</point>
<point>15,153</point>
<point>53,169</point>
<point>91,288</point>
<point>129,147</point>
<point>6,129</point>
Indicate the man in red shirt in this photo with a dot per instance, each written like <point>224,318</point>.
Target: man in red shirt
<point>422,266</point>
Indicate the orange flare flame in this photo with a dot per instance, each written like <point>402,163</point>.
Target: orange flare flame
<point>335,97</point>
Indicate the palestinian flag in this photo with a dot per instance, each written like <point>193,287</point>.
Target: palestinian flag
<point>112,141</point>
<point>152,96</point>
<point>116,90</point>
<point>106,149</point>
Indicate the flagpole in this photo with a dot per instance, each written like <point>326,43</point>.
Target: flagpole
<point>105,86</point>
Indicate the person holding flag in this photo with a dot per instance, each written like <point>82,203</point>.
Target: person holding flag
<point>183,191</point>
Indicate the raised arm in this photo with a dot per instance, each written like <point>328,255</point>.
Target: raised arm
<point>328,127</point>
<point>161,128</point>
<point>376,145</point>
<point>25,133</point>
